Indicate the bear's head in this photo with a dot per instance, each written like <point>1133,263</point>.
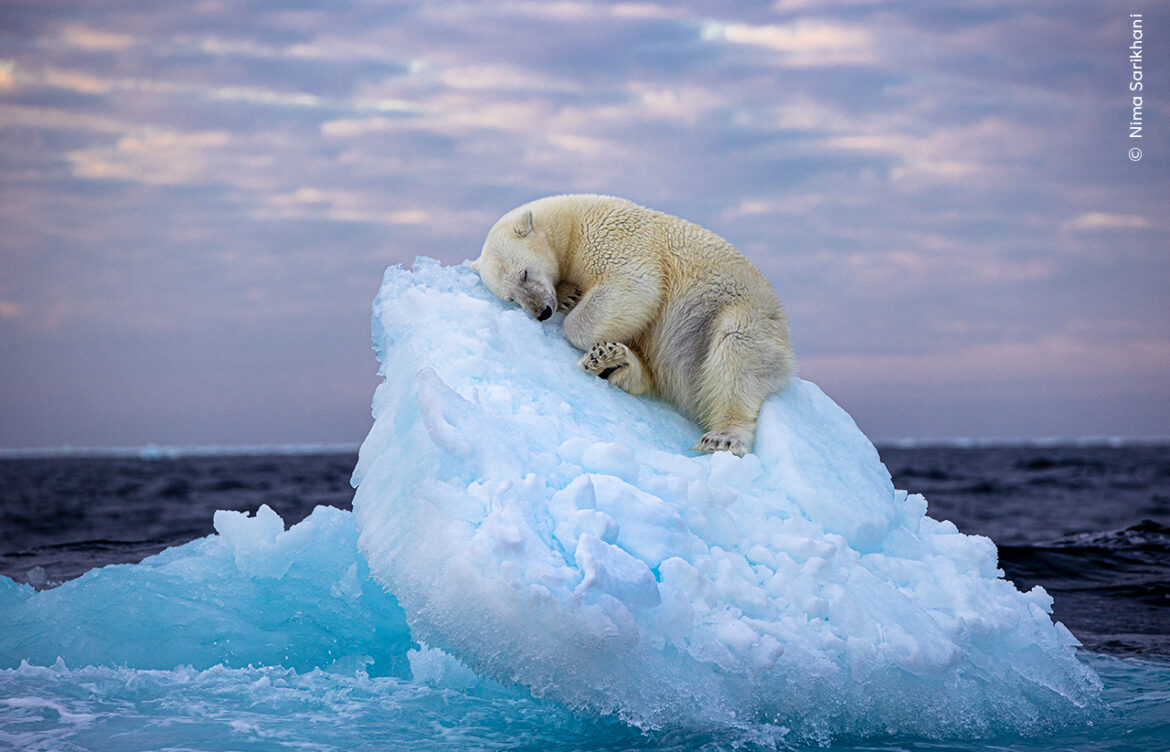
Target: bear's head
<point>518,265</point>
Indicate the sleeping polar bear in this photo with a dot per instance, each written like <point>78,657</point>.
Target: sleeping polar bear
<point>658,304</point>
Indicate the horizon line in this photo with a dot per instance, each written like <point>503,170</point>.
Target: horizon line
<point>159,452</point>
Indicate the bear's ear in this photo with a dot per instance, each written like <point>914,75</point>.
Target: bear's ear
<point>523,227</point>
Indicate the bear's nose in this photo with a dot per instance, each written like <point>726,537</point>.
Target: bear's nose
<point>544,314</point>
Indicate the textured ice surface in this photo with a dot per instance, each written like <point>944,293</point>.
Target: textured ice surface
<point>549,530</point>
<point>255,638</point>
<point>255,594</point>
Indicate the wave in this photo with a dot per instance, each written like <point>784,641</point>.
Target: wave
<point>1111,588</point>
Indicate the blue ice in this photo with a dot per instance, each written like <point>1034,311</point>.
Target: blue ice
<point>253,594</point>
<point>552,531</point>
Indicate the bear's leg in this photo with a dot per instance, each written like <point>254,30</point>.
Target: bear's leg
<point>619,365</point>
<point>748,361</point>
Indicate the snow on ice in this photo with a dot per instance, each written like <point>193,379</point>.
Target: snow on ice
<point>550,530</point>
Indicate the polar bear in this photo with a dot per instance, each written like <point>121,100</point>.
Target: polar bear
<point>659,306</point>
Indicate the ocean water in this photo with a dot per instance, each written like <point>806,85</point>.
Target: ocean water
<point>1090,523</point>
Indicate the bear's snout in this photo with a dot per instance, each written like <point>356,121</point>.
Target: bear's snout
<point>540,301</point>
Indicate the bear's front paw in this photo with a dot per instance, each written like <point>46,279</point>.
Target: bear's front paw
<point>605,358</point>
<point>568,296</point>
<point>722,441</point>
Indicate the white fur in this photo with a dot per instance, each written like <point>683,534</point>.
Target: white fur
<point>657,303</point>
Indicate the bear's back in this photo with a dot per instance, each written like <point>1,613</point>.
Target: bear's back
<point>615,233</point>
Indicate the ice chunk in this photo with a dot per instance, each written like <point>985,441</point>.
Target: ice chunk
<point>548,529</point>
<point>256,594</point>
<point>435,668</point>
<point>606,568</point>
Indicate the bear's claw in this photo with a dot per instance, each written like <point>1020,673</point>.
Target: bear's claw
<point>568,296</point>
<point>604,359</point>
<point>721,441</point>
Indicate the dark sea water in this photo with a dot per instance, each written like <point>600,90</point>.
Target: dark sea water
<point>67,515</point>
<point>1091,524</point>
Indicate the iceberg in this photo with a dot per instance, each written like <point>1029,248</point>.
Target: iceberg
<point>551,531</point>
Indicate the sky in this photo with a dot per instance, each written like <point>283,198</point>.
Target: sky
<point>198,199</point>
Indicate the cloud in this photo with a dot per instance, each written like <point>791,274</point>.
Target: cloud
<point>339,205</point>
<point>1057,361</point>
<point>1094,221</point>
<point>324,47</point>
<point>645,11</point>
<point>154,157</point>
<point>674,103</point>
<point>494,77</point>
<point>357,127</point>
<point>985,150</point>
<point>801,44</point>
<point>784,6</point>
<point>934,259</point>
<point>784,205</point>
<point>82,37</point>
<point>78,81</point>
<point>572,11</point>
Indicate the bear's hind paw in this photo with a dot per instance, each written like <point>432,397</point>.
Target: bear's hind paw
<point>722,441</point>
